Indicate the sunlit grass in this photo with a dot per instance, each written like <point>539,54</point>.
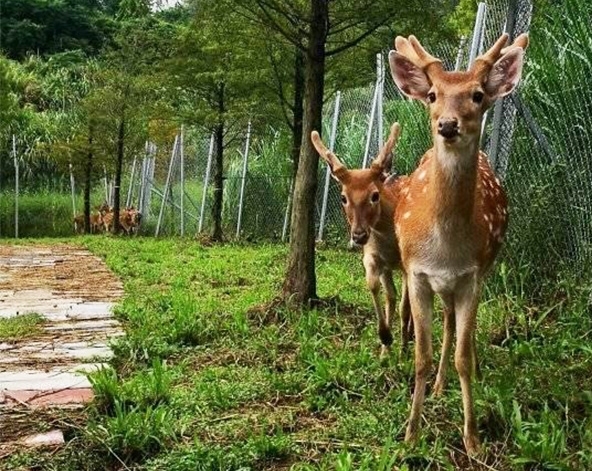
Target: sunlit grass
<point>19,327</point>
<point>208,377</point>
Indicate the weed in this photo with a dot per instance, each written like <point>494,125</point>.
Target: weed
<point>21,326</point>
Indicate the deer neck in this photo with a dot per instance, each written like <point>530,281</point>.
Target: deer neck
<point>385,226</point>
<point>454,181</point>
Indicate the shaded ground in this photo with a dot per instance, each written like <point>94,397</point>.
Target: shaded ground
<point>42,373</point>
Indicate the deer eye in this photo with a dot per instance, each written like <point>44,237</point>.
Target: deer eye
<point>431,97</point>
<point>478,97</point>
<point>375,197</point>
<point>343,200</point>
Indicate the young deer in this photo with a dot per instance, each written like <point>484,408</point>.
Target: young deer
<point>369,201</point>
<point>453,217</point>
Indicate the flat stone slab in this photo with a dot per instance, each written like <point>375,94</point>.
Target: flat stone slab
<point>51,438</point>
<point>75,292</point>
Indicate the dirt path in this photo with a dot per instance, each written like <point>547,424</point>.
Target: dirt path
<point>75,292</point>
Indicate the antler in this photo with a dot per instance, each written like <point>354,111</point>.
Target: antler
<point>415,52</point>
<point>338,170</point>
<point>384,159</point>
<point>485,62</point>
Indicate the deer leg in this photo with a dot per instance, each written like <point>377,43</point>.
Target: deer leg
<point>466,303</point>
<point>421,297</point>
<point>386,279</point>
<point>405,314</point>
<point>449,324</point>
<point>373,283</point>
<point>476,366</point>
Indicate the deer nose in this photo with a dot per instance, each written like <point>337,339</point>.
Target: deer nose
<point>448,128</point>
<point>360,237</point>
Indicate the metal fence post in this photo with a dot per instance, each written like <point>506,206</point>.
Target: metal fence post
<point>142,189</point>
<point>205,185</point>
<point>243,181</point>
<point>477,41</point>
<point>502,110</point>
<point>106,184</point>
<point>370,126</point>
<point>167,187</point>
<point>16,188</point>
<point>328,170</point>
<point>379,98</point>
<point>150,166</point>
<point>130,190</point>
<point>460,54</point>
<point>288,210</point>
<point>72,190</point>
<point>182,177</point>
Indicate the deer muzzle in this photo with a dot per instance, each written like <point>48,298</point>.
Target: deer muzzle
<point>448,128</point>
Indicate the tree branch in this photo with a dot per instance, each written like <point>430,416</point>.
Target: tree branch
<point>355,41</point>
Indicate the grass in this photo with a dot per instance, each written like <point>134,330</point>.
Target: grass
<point>210,376</point>
<point>20,327</point>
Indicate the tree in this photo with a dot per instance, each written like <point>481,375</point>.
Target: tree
<point>50,26</point>
<point>320,29</point>
<point>218,74</point>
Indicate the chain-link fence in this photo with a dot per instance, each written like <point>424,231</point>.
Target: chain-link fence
<point>539,140</point>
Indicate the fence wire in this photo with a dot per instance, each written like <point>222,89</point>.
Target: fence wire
<point>539,141</point>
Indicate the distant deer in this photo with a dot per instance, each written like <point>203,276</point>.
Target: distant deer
<point>106,213</point>
<point>369,199</point>
<point>451,222</point>
<point>96,223</point>
<point>129,220</point>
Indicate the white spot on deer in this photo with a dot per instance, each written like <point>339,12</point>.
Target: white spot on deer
<point>497,181</point>
<point>409,197</point>
<point>424,189</point>
<point>490,227</point>
<point>486,217</point>
<point>422,175</point>
<point>406,215</point>
<point>405,190</point>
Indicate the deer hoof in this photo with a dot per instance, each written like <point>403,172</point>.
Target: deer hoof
<point>411,435</point>
<point>385,352</point>
<point>472,444</point>
<point>438,388</point>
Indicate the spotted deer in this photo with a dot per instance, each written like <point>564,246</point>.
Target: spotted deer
<point>129,220</point>
<point>96,223</point>
<point>369,198</point>
<point>451,220</point>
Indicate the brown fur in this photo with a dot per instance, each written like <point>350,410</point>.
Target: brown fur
<point>369,201</point>
<point>96,223</point>
<point>451,222</point>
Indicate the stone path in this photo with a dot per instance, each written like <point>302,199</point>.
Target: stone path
<point>75,292</point>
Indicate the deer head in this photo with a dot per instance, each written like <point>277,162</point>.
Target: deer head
<point>457,100</point>
<point>361,188</point>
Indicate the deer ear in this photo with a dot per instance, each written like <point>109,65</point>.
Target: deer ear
<point>410,79</point>
<point>505,74</point>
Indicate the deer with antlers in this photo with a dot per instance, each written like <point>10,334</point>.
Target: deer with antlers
<point>369,197</point>
<point>451,219</point>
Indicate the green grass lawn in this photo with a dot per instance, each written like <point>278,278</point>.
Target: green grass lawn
<point>20,327</point>
<point>209,378</point>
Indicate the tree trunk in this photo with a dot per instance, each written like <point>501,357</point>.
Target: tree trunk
<point>118,172</point>
<point>217,234</point>
<point>298,109</point>
<point>87,182</point>
<point>300,282</point>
